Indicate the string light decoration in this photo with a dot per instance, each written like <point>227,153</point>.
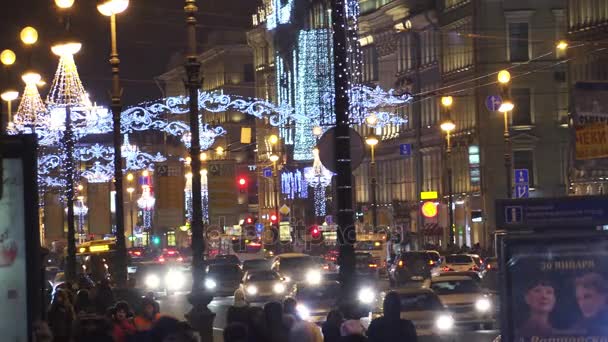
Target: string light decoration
<point>31,113</point>
<point>204,193</point>
<point>278,13</point>
<point>319,178</point>
<point>146,203</point>
<point>67,88</point>
<point>293,184</point>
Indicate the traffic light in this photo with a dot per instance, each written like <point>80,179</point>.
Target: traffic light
<point>249,220</point>
<point>273,218</point>
<point>156,240</point>
<point>242,184</point>
<point>315,233</point>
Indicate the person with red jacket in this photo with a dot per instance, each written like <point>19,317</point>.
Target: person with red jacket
<point>148,316</point>
<point>122,323</point>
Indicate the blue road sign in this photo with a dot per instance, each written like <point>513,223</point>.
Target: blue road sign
<point>405,150</point>
<point>579,212</point>
<point>493,103</point>
<point>259,227</point>
<point>514,214</point>
<point>522,190</point>
<point>267,172</point>
<point>522,176</point>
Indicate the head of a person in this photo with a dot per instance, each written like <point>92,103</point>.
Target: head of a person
<point>540,296</point>
<point>591,294</point>
<point>235,332</point>
<point>239,298</point>
<point>335,318</point>
<point>164,327</point>
<point>41,332</point>
<point>273,313</point>
<point>392,305</point>
<point>148,307</point>
<point>351,327</point>
<point>62,297</point>
<point>289,306</point>
<point>121,311</point>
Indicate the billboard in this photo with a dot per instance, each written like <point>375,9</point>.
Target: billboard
<point>555,288</point>
<point>590,122</point>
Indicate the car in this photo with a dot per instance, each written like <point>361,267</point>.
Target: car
<point>411,267</point>
<point>162,279</point>
<point>470,305</point>
<point>265,285</point>
<point>170,255</point>
<point>223,280</point>
<point>297,267</point>
<point>256,264</point>
<point>137,253</point>
<point>459,263</point>
<point>424,309</point>
<point>491,264</point>
<point>434,256</point>
<point>471,274</point>
<point>365,266</point>
<point>226,259</point>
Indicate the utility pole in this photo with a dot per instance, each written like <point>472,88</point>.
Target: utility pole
<point>69,149</point>
<point>344,191</point>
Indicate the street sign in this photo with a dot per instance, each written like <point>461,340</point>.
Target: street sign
<point>162,170</point>
<point>259,227</point>
<point>405,150</point>
<point>214,169</point>
<point>329,219</point>
<point>578,212</point>
<point>268,172</point>
<point>493,103</point>
<point>429,195</point>
<point>522,176</point>
<point>284,210</point>
<point>522,190</point>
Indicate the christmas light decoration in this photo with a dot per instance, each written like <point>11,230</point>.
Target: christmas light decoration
<point>293,184</point>
<point>99,173</point>
<point>31,112</point>
<point>319,178</point>
<point>66,89</point>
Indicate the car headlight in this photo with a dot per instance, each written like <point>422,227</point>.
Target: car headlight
<point>252,290</point>
<point>483,305</point>
<point>302,311</point>
<point>278,288</point>
<point>313,277</point>
<point>444,323</point>
<point>175,280</point>
<point>152,281</point>
<point>210,284</point>
<point>366,295</point>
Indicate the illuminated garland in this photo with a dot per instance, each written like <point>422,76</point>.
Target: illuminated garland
<point>67,89</point>
<point>293,184</point>
<point>318,177</point>
<point>31,112</point>
<point>204,193</point>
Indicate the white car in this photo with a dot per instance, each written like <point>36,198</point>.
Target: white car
<point>459,263</point>
<point>470,305</point>
<point>265,285</point>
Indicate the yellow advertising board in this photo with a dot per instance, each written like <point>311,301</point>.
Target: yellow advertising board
<point>591,142</point>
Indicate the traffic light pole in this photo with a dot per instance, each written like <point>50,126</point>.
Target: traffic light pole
<point>344,191</point>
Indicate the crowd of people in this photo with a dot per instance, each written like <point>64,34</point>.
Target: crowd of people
<point>95,317</point>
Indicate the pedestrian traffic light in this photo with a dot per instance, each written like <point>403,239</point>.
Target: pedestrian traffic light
<point>273,218</point>
<point>315,233</point>
<point>249,220</point>
<point>242,181</point>
<point>156,240</point>
<point>242,184</point>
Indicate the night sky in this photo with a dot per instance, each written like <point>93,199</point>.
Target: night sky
<point>151,36</point>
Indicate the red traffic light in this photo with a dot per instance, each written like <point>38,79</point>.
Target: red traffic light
<point>242,181</point>
<point>249,220</point>
<point>273,218</point>
<point>315,232</point>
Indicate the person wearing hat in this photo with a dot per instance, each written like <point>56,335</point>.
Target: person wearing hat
<point>148,316</point>
<point>122,323</point>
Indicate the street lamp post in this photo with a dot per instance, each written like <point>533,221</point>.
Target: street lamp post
<point>132,237</point>
<point>110,8</point>
<point>372,141</point>
<point>274,159</point>
<point>507,105</point>
<point>7,58</point>
<point>448,126</point>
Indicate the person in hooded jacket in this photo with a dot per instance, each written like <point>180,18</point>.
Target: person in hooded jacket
<point>148,316</point>
<point>61,316</point>
<point>122,323</point>
<point>390,327</point>
<point>239,311</point>
<point>83,305</point>
<point>104,298</point>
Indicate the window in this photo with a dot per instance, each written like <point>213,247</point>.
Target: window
<point>404,57</point>
<point>457,46</point>
<point>370,64</point>
<point>429,46</point>
<point>248,71</point>
<point>522,115</point>
<point>524,159</point>
<point>519,42</point>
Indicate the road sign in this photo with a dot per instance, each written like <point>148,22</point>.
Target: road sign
<point>214,169</point>
<point>268,172</point>
<point>162,170</point>
<point>429,195</point>
<point>284,210</point>
<point>522,176</point>
<point>405,150</point>
<point>329,219</point>
<point>493,103</point>
<point>522,190</point>
<point>259,227</point>
<point>580,212</point>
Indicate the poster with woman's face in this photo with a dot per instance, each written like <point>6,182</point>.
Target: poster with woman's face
<point>558,290</point>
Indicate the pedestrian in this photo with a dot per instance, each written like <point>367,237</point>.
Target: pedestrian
<point>256,325</point>
<point>83,304</point>
<point>92,328</point>
<point>61,317</point>
<point>239,311</point>
<point>236,332</point>
<point>104,298</point>
<point>390,327</point>
<point>122,323</point>
<point>331,326</point>
<point>276,329</point>
<point>148,315</point>
<point>289,306</point>
<point>352,327</point>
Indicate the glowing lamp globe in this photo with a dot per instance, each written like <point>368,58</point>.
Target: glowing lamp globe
<point>64,4</point>
<point>31,78</point>
<point>448,126</point>
<point>429,209</point>
<point>371,140</point>
<point>562,45</point>
<point>371,120</point>
<point>274,158</point>
<point>9,96</point>
<point>447,101</point>
<point>8,57</point>
<point>71,49</point>
<point>29,35</point>
<point>506,106</point>
<point>504,76</point>
<point>112,7</point>
<point>273,139</point>
<point>317,130</point>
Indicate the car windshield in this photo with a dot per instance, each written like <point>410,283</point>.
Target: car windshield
<point>293,264</point>
<point>458,259</point>
<point>419,302</point>
<point>414,256</point>
<point>263,276</point>
<point>446,287</point>
<point>325,291</point>
<point>434,256</point>
<point>363,258</point>
<point>224,271</point>
<point>256,264</point>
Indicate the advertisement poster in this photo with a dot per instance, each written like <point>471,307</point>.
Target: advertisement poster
<point>557,290</point>
<point>13,277</point>
<point>590,123</point>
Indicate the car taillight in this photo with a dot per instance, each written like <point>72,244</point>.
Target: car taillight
<point>171,252</point>
<point>326,267</point>
<point>180,259</point>
<point>489,266</point>
<point>161,259</point>
<point>447,269</point>
<point>474,268</point>
<point>400,263</point>
<point>138,253</point>
<point>431,263</point>
<point>372,266</point>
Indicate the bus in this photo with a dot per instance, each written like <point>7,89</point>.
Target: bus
<point>374,244</point>
<point>96,257</point>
